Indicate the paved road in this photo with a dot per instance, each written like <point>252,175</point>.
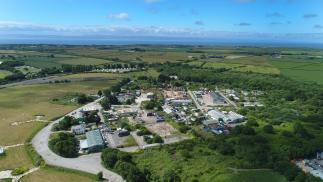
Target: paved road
<point>195,101</point>
<point>87,163</point>
<point>7,174</point>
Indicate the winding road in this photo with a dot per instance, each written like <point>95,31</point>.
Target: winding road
<point>87,163</point>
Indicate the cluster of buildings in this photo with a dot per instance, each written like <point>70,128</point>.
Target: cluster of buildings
<point>177,96</point>
<point>313,166</point>
<point>218,122</point>
<point>117,70</point>
<point>217,107</point>
<point>125,96</point>
<point>205,97</point>
<point>177,103</point>
<point>245,98</point>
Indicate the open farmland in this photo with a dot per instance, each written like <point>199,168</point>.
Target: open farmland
<point>48,62</point>
<point>302,71</point>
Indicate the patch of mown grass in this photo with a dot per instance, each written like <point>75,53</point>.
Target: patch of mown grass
<point>53,174</point>
<point>15,157</point>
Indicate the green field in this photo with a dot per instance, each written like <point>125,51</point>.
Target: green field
<point>251,176</point>
<point>27,69</point>
<point>241,59</point>
<point>4,73</point>
<point>48,62</point>
<point>15,157</point>
<point>54,174</point>
<point>301,71</point>
<point>22,103</point>
<point>202,164</point>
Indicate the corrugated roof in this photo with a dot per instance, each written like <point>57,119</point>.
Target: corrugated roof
<point>94,138</point>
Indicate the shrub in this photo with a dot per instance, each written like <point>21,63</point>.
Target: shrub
<point>130,172</point>
<point>19,171</point>
<point>65,145</point>
<point>171,176</point>
<point>268,129</point>
<point>109,157</point>
<point>184,128</point>
<point>99,176</point>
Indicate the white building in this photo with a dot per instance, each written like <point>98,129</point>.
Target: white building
<point>79,129</point>
<point>228,118</point>
<point>1,150</point>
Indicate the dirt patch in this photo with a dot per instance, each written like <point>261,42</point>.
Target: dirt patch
<point>162,129</point>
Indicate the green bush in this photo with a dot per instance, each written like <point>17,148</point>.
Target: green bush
<point>130,172</point>
<point>184,128</point>
<point>143,131</point>
<point>268,129</point>
<point>19,171</point>
<point>99,176</point>
<point>109,157</point>
<point>65,145</point>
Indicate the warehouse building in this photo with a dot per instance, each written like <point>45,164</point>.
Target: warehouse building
<point>228,118</point>
<point>93,143</point>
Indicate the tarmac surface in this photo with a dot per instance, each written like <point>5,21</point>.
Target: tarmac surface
<point>88,163</point>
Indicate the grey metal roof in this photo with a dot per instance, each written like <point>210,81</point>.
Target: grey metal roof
<point>208,122</point>
<point>94,138</point>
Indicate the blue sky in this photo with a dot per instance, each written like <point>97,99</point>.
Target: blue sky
<point>274,19</point>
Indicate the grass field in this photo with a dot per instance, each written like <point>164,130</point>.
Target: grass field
<point>4,73</point>
<point>15,157</point>
<point>53,174</point>
<point>301,71</point>
<point>83,61</point>
<point>22,103</point>
<point>27,69</point>
<point>47,62</point>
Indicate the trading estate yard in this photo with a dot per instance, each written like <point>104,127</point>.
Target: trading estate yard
<point>208,114</point>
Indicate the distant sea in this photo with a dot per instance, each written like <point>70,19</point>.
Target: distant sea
<point>154,41</point>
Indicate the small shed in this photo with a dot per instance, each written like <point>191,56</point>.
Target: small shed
<point>2,150</point>
<point>79,129</point>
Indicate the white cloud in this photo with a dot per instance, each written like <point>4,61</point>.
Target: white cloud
<point>25,30</point>
<point>119,16</point>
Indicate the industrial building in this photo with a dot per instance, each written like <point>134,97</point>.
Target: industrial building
<point>228,118</point>
<point>217,98</point>
<point>93,143</point>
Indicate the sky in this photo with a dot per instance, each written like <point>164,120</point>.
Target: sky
<point>221,20</point>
